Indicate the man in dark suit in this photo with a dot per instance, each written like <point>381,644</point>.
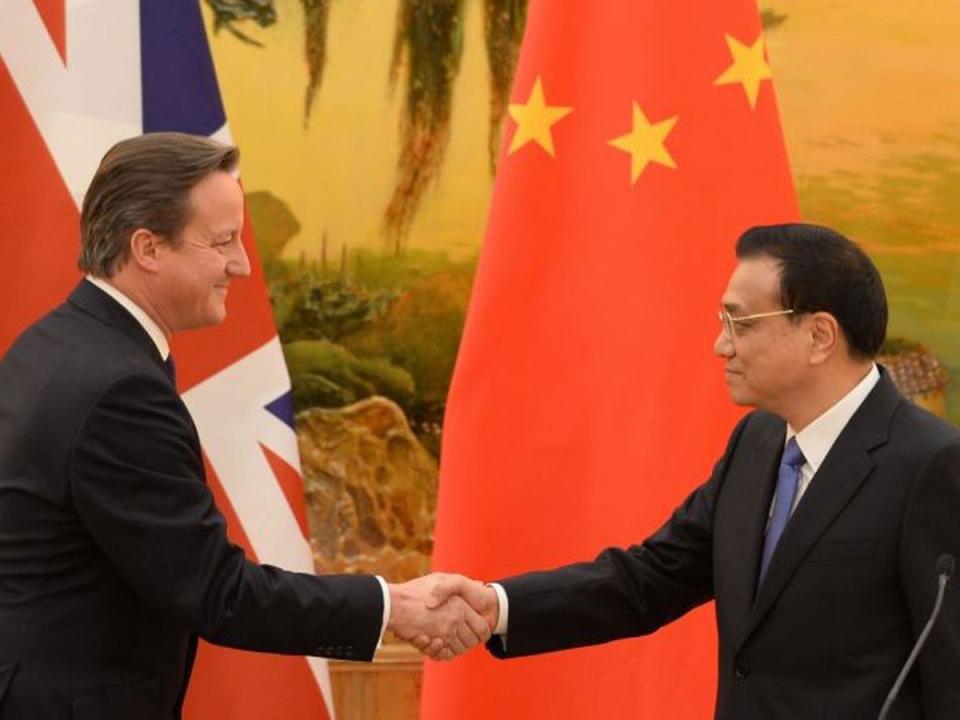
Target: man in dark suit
<point>817,533</point>
<point>113,556</point>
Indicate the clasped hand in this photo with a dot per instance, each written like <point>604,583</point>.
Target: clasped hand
<point>443,615</point>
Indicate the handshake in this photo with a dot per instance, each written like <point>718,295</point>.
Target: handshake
<point>443,615</point>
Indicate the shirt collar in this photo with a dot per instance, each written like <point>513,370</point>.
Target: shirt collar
<point>139,314</point>
<point>816,439</point>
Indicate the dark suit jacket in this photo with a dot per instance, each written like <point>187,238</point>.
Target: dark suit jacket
<point>113,557</point>
<point>848,590</point>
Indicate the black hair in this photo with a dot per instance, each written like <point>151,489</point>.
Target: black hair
<point>822,271</point>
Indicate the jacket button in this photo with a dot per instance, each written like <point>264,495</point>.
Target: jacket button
<point>741,670</point>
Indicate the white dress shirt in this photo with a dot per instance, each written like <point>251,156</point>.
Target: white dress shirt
<point>139,314</point>
<point>163,347</point>
<point>815,441</point>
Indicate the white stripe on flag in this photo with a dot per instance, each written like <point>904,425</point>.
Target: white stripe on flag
<point>85,107</point>
<point>229,410</point>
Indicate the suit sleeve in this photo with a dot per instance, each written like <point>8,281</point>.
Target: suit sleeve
<point>623,592</point>
<point>931,527</point>
<point>137,482</point>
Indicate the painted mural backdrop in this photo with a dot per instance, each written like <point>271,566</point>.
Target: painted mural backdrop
<point>369,131</point>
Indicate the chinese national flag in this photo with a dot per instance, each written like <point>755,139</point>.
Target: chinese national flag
<point>586,402</point>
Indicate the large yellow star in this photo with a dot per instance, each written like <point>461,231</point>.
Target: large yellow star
<point>749,67</point>
<point>645,143</point>
<point>535,119</point>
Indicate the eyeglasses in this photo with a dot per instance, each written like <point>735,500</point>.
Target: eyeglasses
<point>729,322</point>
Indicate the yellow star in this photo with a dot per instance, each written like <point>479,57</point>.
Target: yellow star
<point>534,120</point>
<point>645,143</point>
<point>749,67</point>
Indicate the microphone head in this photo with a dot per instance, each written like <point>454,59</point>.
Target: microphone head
<point>946,565</point>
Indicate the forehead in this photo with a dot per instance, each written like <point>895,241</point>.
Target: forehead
<point>217,196</point>
<point>754,285</point>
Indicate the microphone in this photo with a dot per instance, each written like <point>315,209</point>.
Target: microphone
<point>944,569</point>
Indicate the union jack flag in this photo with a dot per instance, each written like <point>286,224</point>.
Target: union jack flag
<point>75,77</point>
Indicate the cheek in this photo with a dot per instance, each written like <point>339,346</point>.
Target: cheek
<point>751,354</point>
<point>206,276</point>
<point>783,365</point>
<point>763,364</point>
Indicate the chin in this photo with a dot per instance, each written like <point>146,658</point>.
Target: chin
<point>206,320</point>
<point>740,398</point>
<point>217,314</point>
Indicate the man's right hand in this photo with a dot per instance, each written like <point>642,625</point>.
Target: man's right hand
<point>442,615</point>
<point>453,590</point>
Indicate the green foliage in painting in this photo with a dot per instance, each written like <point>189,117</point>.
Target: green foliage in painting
<point>427,51</point>
<point>420,331</point>
<point>770,18</point>
<point>227,13</point>
<point>429,41</point>
<point>328,375</point>
<point>331,309</point>
<point>373,324</point>
<point>316,15</point>
<point>503,25</point>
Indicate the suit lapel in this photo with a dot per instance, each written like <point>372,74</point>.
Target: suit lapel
<point>94,301</point>
<point>748,492</point>
<point>843,471</point>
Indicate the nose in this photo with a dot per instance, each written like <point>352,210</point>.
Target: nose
<point>238,264</point>
<point>723,345</point>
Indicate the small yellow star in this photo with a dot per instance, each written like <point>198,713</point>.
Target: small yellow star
<point>535,119</point>
<point>645,143</point>
<point>749,67</point>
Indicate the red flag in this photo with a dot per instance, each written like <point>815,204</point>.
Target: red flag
<point>586,402</point>
<point>66,96</point>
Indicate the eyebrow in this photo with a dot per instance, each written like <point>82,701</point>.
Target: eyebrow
<point>731,307</point>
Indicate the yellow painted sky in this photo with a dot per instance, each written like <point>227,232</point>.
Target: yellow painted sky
<point>337,174</point>
<point>859,79</point>
<point>859,83</point>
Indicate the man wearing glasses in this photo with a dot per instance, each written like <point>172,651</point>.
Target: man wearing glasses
<point>817,533</point>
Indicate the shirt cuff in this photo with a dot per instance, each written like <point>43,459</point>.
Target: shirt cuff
<point>386,608</point>
<point>504,615</point>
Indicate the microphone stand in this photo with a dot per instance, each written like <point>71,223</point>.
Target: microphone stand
<point>945,567</point>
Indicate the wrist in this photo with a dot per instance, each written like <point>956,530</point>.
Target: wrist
<point>399,601</point>
<point>493,606</point>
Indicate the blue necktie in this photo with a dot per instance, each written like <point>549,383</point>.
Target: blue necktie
<point>788,478</point>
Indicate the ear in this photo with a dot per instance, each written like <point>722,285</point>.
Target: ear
<point>825,337</point>
<point>145,249</point>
